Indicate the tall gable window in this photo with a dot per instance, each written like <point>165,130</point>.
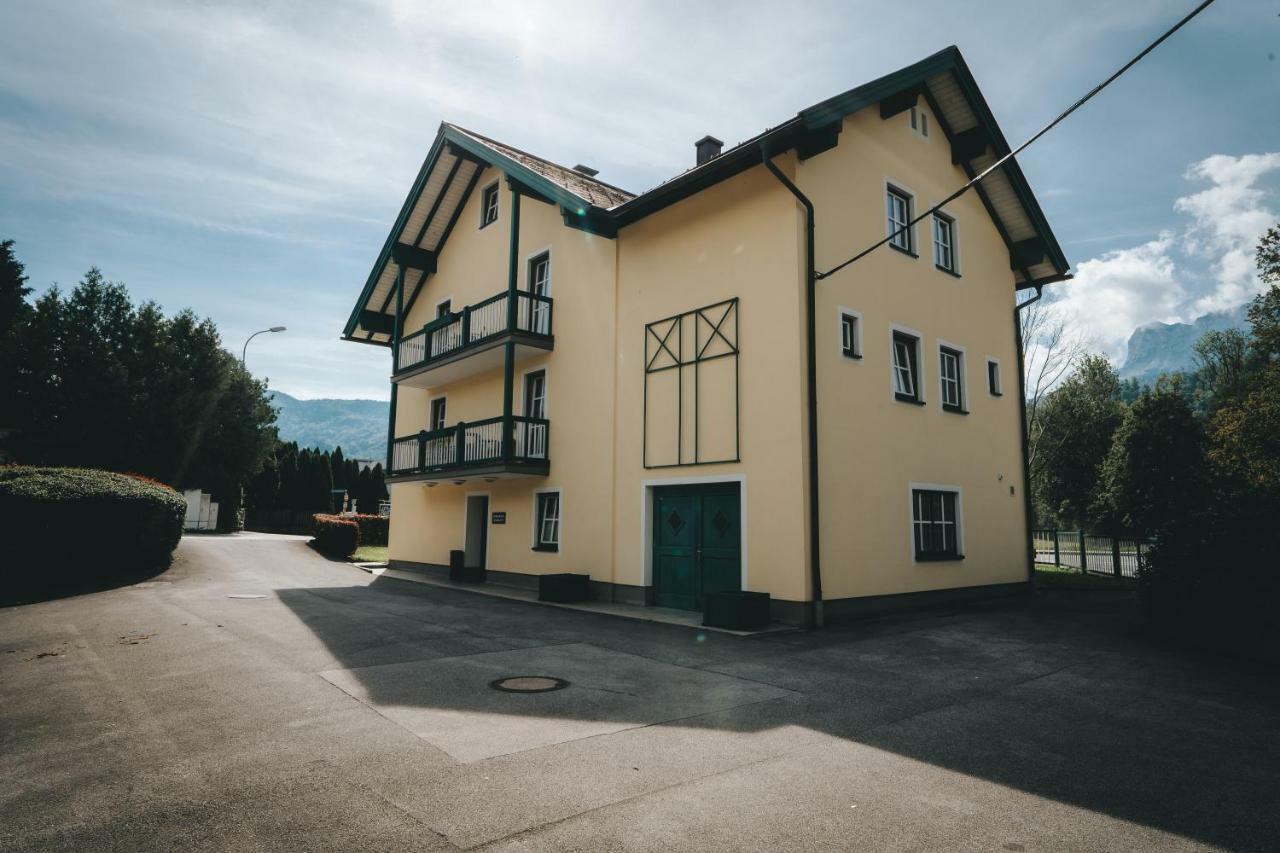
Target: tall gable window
<point>935,525</point>
<point>898,210</point>
<point>944,243</point>
<point>920,122</point>
<point>951,377</point>
<point>489,205</point>
<point>906,367</point>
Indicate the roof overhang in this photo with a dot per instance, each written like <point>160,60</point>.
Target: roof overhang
<point>948,87</point>
<point>457,157</point>
<point>439,192</point>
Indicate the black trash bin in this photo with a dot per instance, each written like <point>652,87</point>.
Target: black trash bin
<point>458,570</point>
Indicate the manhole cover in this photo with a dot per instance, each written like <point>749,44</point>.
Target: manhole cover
<point>246,595</point>
<point>528,684</point>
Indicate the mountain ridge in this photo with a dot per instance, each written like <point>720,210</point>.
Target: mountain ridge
<point>1156,348</point>
<point>359,427</point>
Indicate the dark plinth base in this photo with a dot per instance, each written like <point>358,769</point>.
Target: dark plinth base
<point>736,611</point>
<point>564,588</point>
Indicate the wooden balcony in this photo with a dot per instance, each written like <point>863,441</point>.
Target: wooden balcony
<point>473,451</point>
<point>470,341</point>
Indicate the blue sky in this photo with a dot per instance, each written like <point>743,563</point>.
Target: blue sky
<point>247,160</point>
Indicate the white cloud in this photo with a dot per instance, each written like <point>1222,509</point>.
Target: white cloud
<point>1228,219</point>
<point>1207,266</point>
<point>1119,291</point>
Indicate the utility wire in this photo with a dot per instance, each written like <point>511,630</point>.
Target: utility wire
<point>996,165</point>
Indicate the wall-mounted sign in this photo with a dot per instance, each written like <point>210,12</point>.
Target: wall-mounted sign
<point>499,518</point>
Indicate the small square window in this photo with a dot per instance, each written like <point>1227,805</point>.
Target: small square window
<point>993,378</point>
<point>850,345</point>
<point>951,376</point>
<point>906,368</point>
<point>444,309</point>
<point>944,243</point>
<point>489,205</point>
<point>898,215</point>
<point>936,527</point>
<point>547,536</point>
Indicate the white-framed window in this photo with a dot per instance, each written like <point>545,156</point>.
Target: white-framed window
<point>539,281</point>
<point>951,377</point>
<point>444,308</point>
<point>936,523</point>
<point>436,418</point>
<point>944,244</point>
<point>489,205</point>
<point>531,436</point>
<point>906,367</point>
<point>546,520</point>
<point>898,218</point>
<point>994,388</point>
<point>920,122</point>
<point>850,333</point>
<point>535,394</point>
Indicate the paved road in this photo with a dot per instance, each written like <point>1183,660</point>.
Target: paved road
<point>327,710</point>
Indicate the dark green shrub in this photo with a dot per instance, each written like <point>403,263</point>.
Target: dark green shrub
<point>334,535</point>
<point>373,529</point>
<point>1214,584</point>
<point>81,523</point>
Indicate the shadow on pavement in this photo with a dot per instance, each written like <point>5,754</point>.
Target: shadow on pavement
<point>43,582</point>
<point>1066,702</point>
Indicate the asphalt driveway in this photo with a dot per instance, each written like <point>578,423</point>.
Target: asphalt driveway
<point>257,696</point>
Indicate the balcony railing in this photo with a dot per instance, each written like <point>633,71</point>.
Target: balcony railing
<point>474,325</point>
<point>473,446</point>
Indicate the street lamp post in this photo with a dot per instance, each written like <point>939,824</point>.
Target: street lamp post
<point>245,351</point>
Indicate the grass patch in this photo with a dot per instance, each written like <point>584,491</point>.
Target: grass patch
<point>370,554</point>
<point>1049,576</point>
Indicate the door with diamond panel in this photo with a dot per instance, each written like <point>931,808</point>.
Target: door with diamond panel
<point>697,542</point>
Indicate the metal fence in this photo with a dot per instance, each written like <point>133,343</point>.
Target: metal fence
<point>1090,553</point>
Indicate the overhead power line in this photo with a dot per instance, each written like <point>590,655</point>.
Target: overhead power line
<point>1048,127</point>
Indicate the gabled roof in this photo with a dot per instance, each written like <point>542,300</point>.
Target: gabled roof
<point>457,156</point>
<point>584,187</point>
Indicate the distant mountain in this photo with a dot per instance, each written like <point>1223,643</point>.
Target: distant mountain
<point>358,426</point>
<point>1167,347</point>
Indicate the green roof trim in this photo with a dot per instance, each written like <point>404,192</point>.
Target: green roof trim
<point>810,132</point>
<point>448,135</point>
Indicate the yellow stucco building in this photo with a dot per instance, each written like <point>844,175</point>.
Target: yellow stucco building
<point>682,392</point>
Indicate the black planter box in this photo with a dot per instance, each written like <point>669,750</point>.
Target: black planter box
<point>458,570</point>
<point>737,611</point>
<point>564,588</point>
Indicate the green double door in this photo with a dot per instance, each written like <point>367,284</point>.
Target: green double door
<point>697,543</point>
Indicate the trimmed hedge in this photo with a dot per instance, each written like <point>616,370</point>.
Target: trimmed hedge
<point>334,535</point>
<point>83,523</point>
<point>373,529</point>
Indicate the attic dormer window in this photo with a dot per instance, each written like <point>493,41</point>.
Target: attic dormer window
<point>920,122</point>
<point>489,205</point>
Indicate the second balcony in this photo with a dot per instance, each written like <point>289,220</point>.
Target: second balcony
<point>463,343</point>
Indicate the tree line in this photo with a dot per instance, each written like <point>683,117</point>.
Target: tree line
<point>1191,462</point>
<point>90,379</point>
<point>295,483</point>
